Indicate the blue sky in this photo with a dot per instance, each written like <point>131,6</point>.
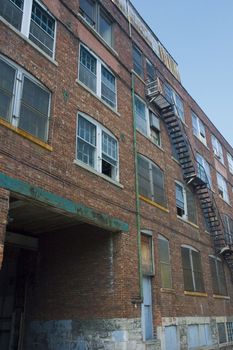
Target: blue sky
<point>199,35</point>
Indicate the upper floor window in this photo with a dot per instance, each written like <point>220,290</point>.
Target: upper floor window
<point>97,147</point>
<point>147,122</point>
<point>185,203</point>
<point>137,61</point>
<point>97,77</point>
<point>230,162</point>
<point>175,99</point>
<point>222,187</point>
<point>228,228</point>
<point>217,147</point>
<point>204,169</point>
<point>165,263</point>
<point>218,276</point>
<point>147,254</point>
<point>198,128</point>
<point>33,20</point>
<point>24,102</point>
<point>150,71</point>
<point>95,15</point>
<point>192,270</point>
<point>151,181</point>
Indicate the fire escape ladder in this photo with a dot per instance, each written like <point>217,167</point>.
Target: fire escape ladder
<point>193,172</point>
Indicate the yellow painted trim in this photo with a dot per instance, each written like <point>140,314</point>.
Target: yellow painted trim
<point>195,294</point>
<point>147,200</point>
<point>25,135</point>
<point>167,290</point>
<point>216,296</point>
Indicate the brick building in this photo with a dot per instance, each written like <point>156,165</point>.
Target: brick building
<point>116,222</point>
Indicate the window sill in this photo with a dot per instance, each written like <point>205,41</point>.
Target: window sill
<point>28,41</point>
<point>175,160</point>
<point>195,294</point>
<point>97,35</point>
<point>188,222</point>
<point>86,167</point>
<point>148,138</point>
<point>219,160</point>
<point>200,140</point>
<point>138,76</point>
<point>155,204</point>
<point>26,135</point>
<point>168,290</point>
<point>97,97</point>
<point>224,297</point>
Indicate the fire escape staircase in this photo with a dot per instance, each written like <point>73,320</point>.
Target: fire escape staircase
<point>193,172</point>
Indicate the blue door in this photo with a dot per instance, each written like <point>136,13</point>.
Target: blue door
<point>147,324</point>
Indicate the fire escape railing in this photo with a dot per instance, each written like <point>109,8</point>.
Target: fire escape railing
<point>194,173</point>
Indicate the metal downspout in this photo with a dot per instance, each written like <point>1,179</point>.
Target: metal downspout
<point>138,219</point>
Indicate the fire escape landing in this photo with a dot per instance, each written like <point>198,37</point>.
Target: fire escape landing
<point>193,172</point>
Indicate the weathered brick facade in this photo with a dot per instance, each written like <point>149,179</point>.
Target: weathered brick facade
<point>82,285</point>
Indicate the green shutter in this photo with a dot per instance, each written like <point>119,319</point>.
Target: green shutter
<point>187,272</point>
<point>158,185</point>
<point>197,271</point>
<point>165,267</point>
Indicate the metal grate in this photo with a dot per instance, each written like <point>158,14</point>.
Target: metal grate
<point>230,331</point>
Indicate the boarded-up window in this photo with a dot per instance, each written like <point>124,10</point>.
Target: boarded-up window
<point>164,259</point>
<point>199,335</point>
<point>192,270</point>
<point>218,276</point>
<point>171,338</point>
<point>151,181</point>
<point>146,253</point>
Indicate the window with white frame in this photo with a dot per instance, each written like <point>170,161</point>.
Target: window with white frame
<point>150,71</point>
<point>33,20</point>
<point>147,122</point>
<point>151,181</point>
<point>230,162</point>
<point>185,203</point>
<point>217,148</point>
<point>24,102</point>
<point>165,263</point>
<point>204,169</point>
<point>175,99</point>
<point>137,61</point>
<point>199,335</point>
<point>218,276</point>
<point>97,147</point>
<point>192,269</point>
<point>198,128</point>
<point>222,187</point>
<point>97,77</point>
<point>228,228</point>
<point>96,16</point>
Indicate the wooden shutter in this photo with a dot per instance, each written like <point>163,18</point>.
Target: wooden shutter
<point>187,271</point>
<point>146,251</point>
<point>158,185</point>
<point>165,267</point>
<point>144,177</point>
<point>191,206</point>
<point>214,275</point>
<point>221,278</point>
<point>197,271</point>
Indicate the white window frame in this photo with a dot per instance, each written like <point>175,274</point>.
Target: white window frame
<point>197,129</point>
<point>222,186</point>
<point>185,215</point>
<point>98,154</point>
<point>20,74</point>
<point>203,162</point>
<point>98,11</point>
<point>230,162</point>
<point>26,21</point>
<point>149,128</point>
<point>99,64</point>
<point>217,148</point>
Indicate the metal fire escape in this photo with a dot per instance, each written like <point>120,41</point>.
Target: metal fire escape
<point>193,172</point>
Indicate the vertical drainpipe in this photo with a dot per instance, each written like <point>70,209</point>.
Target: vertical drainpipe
<point>138,219</point>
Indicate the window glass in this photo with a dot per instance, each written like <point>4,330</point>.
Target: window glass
<point>222,333</point>
<point>109,155</point>
<point>7,80</point>
<point>222,187</point>
<point>198,128</point>
<point>164,258</point>
<point>158,185</point>
<point>86,141</point>
<point>180,205</point>
<point>155,128</point>
<point>230,331</point>
<point>144,177</point>
<point>137,61</point>
<point>204,170</point>
<point>217,147</point>
<point>150,71</point>
<point>108,93</point>
<point>34,109</point>
<point>12,12</point>
<point>87,69</point>
<point>105,27</point>
<point>228,228</point>
<point>230,162</point>
<point>140,110</point>
<point>87,8</point>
